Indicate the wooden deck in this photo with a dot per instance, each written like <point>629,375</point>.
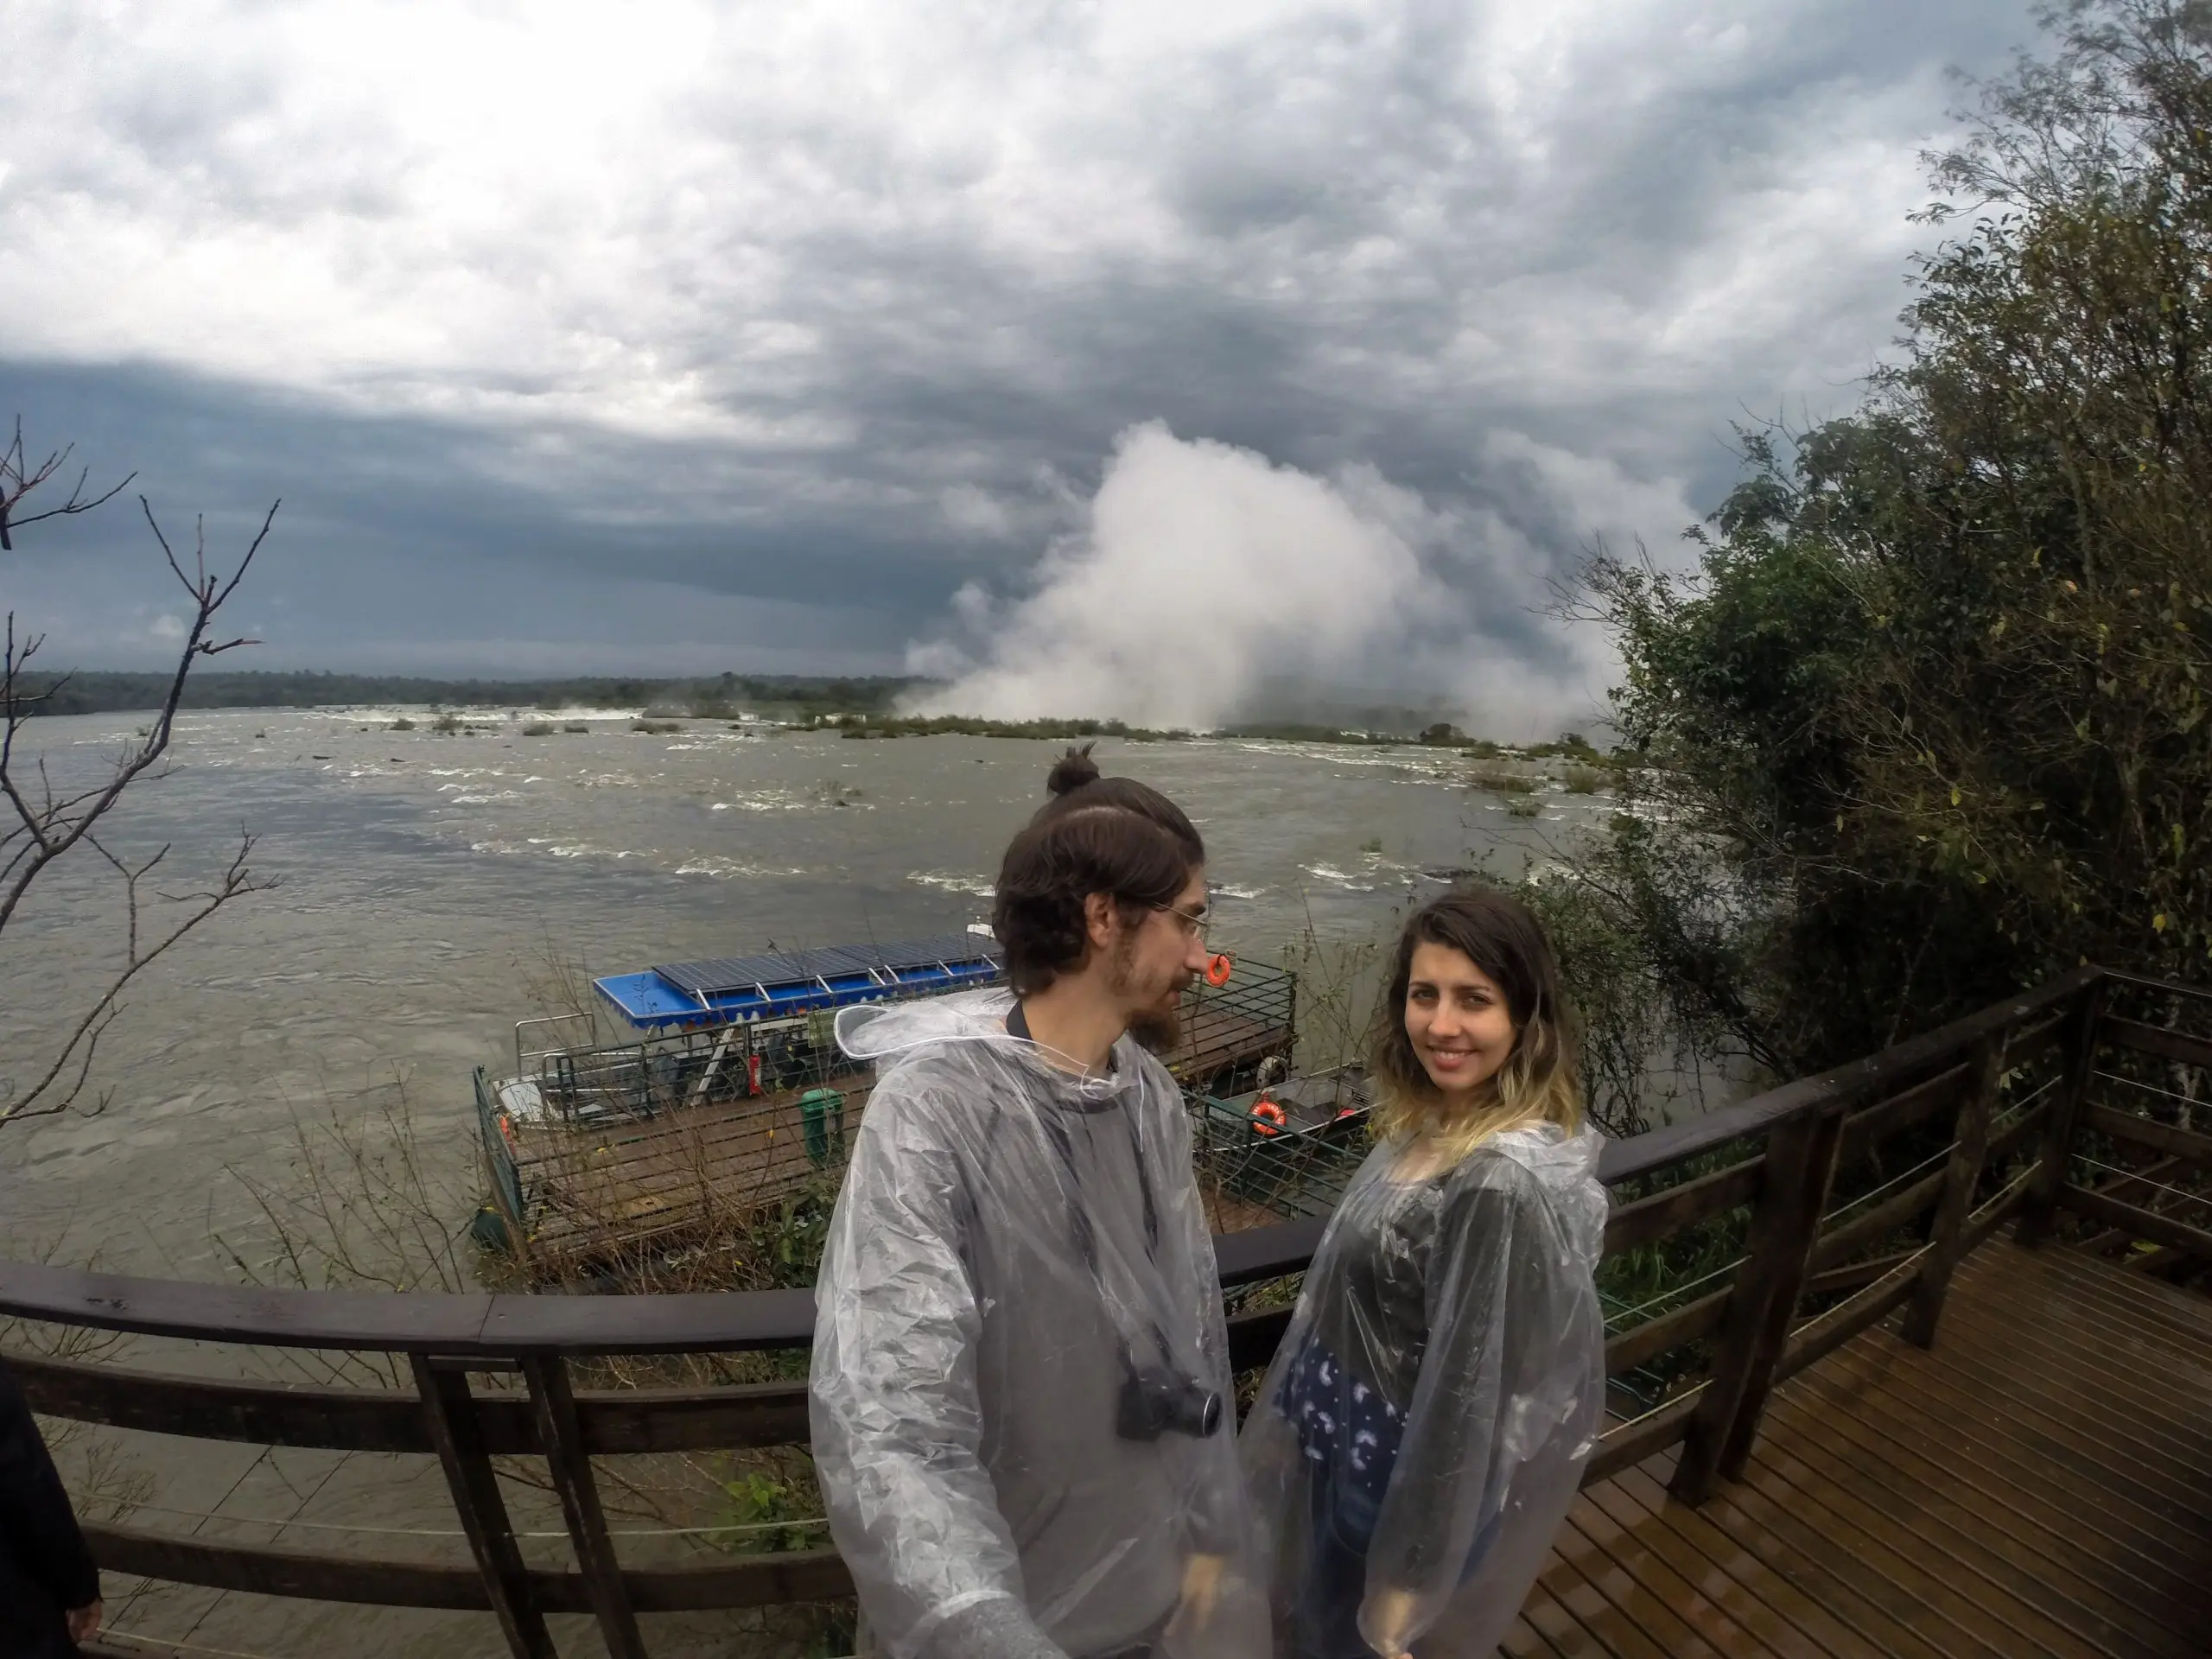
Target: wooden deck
<point>2039,1484</point>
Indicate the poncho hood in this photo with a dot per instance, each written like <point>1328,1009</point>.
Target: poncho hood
<point>936,1027</point>
<point>881,1031</point>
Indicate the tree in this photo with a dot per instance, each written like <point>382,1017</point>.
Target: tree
<point>1927,720</point>
<point>45,825</point>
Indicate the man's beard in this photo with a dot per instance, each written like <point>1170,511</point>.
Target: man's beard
<point>1158,1023</point>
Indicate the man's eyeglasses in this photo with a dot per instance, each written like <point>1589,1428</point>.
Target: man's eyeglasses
<point>1194,923</point>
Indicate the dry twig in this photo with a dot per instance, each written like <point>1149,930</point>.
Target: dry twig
<point>44,825</point>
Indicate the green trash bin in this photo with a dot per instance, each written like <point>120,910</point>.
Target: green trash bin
<point>822,1111</point>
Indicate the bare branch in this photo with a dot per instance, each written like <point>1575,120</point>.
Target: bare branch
<point>45,1098</point>
<point>48,826</point>
<point>18,479</point>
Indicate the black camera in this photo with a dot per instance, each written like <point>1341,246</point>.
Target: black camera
<point>1156,1401</point>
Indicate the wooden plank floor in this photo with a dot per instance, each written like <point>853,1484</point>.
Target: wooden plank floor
<point>2038,1484</point>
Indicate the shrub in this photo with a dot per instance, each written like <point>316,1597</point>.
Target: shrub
<point>402,724</point>
<point>538,728</point>
<point>1502,782</point>
<point>1583,780</point>
<point>1928,723</point>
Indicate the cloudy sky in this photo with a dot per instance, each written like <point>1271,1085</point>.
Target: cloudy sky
<point>1098,357</point>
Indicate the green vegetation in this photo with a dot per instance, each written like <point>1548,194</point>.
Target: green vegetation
<point>863,726</point>
<point>1583,780</point>
<point>1499,781</point>
<point>402,724</point>
<point>1926,724</point>
<point>657,727</point>
<point>1524,806</point>
<point>538,728</point>
<point>91,693</point>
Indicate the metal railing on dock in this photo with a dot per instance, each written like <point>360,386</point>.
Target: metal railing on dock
<point>1768,1234</point>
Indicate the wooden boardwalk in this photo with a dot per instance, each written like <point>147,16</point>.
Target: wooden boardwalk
<point>2039,1484</point>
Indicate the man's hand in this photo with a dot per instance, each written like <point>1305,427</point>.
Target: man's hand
<point>85,1621</point>
<point>1386,1617</point>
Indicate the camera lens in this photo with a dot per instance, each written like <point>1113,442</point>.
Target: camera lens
<point>1156,1402</point>
<point>1209,1414</point>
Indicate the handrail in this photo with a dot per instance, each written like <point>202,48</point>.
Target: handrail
<point>1900,1065</point>
<point>2166,987</point>
<point>470,1324</point>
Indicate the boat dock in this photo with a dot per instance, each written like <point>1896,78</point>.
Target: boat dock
<point>610,1159</point>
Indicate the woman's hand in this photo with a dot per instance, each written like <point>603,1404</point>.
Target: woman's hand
<point>1201,1589</point>
<point>84,1622</point>
<point>1386,1619</point>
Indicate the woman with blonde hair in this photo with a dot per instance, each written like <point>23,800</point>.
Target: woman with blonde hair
<point>1425,1423</point>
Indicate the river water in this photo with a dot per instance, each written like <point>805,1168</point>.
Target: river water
<point>425,884</point>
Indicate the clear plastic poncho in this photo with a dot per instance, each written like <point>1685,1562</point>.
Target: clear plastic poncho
<point>1006,1234</point>
<point>1424,1424</point>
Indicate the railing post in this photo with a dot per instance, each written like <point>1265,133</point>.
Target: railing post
<point>560,1437</point>
<point>1969,1151</point>
<point>2041,1202</point>
<point>450,1412</point>
<point>1801,1154</point>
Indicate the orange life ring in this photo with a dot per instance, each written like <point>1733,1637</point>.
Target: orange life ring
<point>1268,1118</point>
<point>1218,968</point>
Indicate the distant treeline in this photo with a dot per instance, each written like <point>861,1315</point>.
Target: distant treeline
<point>1571,745</point>
<point>100,692</point>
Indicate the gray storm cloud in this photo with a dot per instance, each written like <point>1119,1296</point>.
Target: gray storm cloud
<point>717,339</point>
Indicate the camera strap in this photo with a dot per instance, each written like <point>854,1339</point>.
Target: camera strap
<point>1086,1239</point>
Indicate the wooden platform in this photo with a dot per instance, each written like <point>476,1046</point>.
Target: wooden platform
<point>2040,1484</point>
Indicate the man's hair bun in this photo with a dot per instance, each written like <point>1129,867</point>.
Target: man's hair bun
<point>1074,770</point>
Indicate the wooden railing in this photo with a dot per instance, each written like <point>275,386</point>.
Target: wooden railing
<point>1801,1187</point>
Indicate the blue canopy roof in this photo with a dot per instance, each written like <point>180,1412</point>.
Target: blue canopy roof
<point>723,989</point>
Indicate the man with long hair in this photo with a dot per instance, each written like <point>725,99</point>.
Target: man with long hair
<point>1021,1414</point>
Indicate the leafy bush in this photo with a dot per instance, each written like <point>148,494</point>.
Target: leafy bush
<point>538,728</point>
<point>1498,781</point>
<point>1927,725</point>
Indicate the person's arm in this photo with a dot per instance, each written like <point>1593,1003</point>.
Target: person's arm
<point>897,1425</point>
<point>1462,1436</point>
<point>34,1514</point>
